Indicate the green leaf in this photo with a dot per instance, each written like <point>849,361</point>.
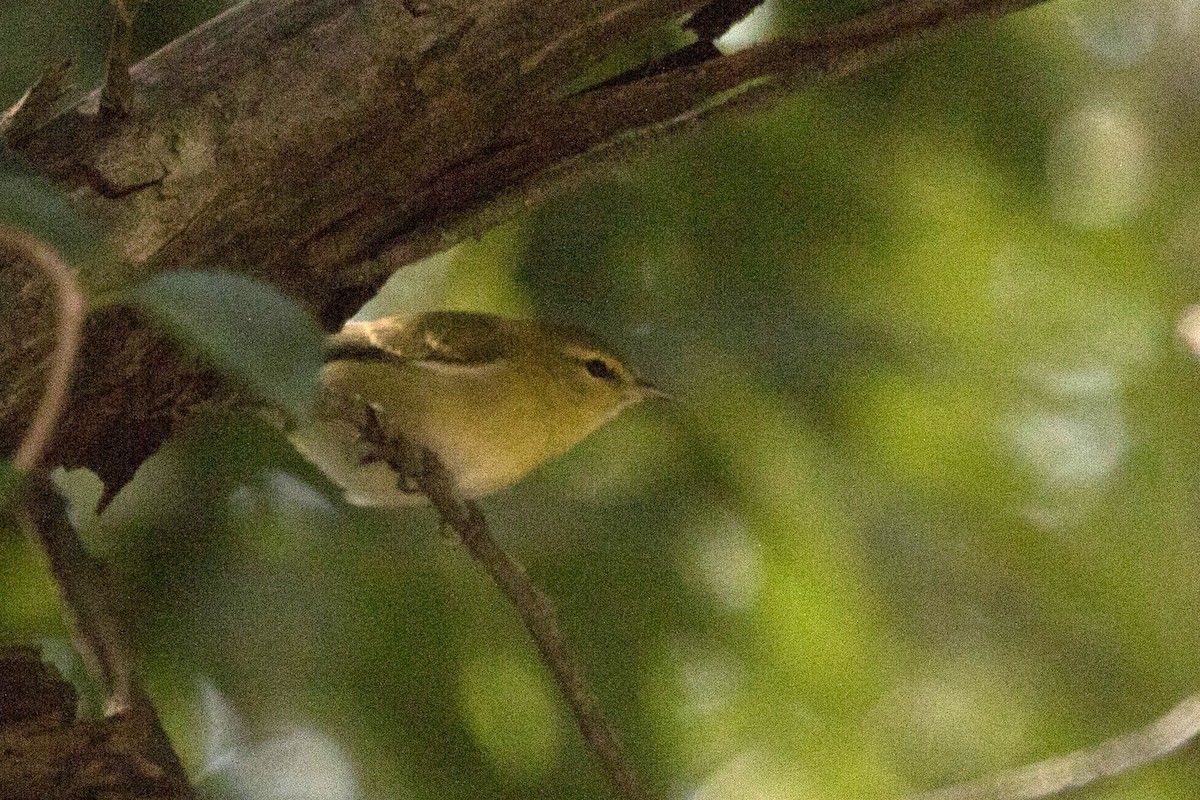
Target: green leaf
<point>33,203</point>
<point>81,489</point>
<point>247,328</point>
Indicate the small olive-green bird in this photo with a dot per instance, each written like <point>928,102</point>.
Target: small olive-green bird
<point>492,397</point>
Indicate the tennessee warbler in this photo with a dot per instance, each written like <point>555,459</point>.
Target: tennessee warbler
<point>492,397</point>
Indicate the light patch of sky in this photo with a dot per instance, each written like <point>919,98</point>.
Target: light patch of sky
<point>724,559</point>
<point>415,288</point>
<point>288,491</point>
<point>751,30</point>
<point>221,727</point>
<point>1188,328</point>
<point>1069,428</point>
<point>1121,32</point>
<point>1099,166</point>
<point>1072,437</point>
<point>962,714</point>
<point>752,775</point>
<point>710,680</point>
<point>280,493</point>
<point>302,764</point>
<point>1072,450</point>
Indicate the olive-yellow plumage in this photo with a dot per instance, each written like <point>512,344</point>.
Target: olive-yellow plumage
<point>492,397</point>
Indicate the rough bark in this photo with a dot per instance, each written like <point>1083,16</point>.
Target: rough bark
<point>321,144</point>
<point>46,752</point>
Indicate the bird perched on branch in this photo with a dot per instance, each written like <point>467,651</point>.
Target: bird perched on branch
<point>491,397</point>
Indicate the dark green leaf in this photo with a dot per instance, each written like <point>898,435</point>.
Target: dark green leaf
<point>33,203</point>
<point>249,329</point>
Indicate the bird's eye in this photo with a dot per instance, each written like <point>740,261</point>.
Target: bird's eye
<point>599,368</point>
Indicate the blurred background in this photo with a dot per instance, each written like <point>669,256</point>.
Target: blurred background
<point>925,507</point>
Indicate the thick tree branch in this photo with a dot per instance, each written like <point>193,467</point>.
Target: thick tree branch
<point>37,106</point>
<point>321,144</point>
<point>48,753</point>
<point>1123,753</point>
<point>540,149</point>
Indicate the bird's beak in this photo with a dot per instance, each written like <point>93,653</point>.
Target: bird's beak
<point>648,389</point>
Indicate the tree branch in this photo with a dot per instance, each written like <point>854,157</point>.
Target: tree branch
<point>19,246</point>
<point>1160,738</point>
<point>321,144</point>
<point>49,753</point>
<point>91,606</point>
<point>37,105</point>
<point>537,613</point>
<point>464,517</point>
<point>117,92</point>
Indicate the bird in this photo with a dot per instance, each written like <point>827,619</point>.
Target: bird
<point>492,397</point>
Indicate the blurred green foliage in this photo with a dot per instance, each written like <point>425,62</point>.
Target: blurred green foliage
<point>32,203</point>
<point>248,329</point>
<point>925,508</point>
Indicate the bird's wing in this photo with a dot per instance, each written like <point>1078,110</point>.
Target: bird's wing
<point>364,341</point>
<point>461,338</point>
<point>444,337</point>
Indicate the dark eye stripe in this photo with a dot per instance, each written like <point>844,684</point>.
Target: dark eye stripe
<point>599,368</point>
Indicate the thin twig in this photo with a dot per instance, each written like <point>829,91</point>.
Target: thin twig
<point>532,605</point>
<point>17,245</point>
<point>1160,738</point>
<point>83,582</point>
<point>536,611</point>
<point>37,105</point>
<point>117,94</point>
<point>92,609</point>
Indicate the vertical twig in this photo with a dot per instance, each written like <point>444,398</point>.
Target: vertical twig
<point>90,604</point>
<point>117,93</point>
<point>89,600</point>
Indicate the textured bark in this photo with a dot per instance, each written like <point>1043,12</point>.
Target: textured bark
<point>321,144</point>
<point>46,753</point>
